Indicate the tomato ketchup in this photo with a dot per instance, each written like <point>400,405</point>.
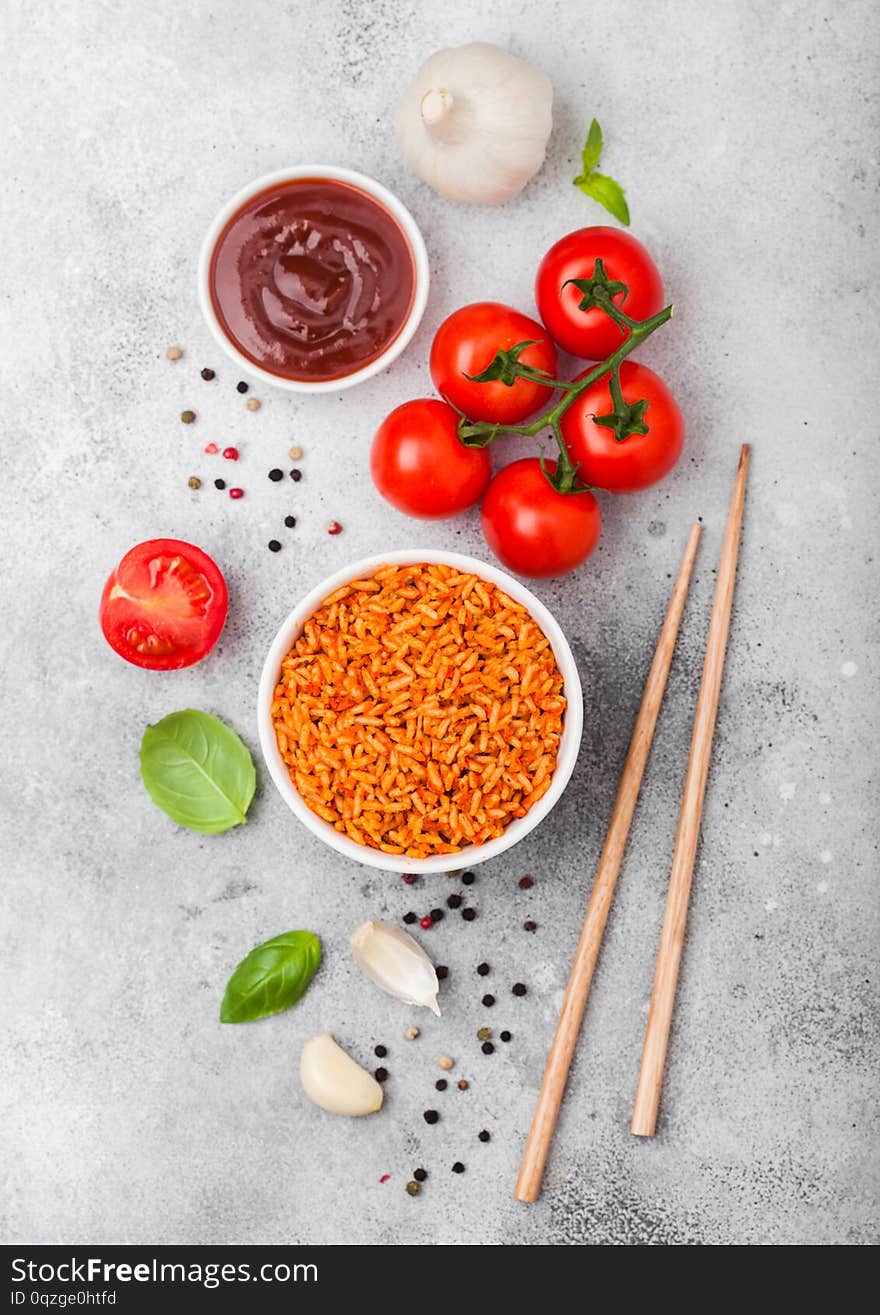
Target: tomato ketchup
<point>312,279</point>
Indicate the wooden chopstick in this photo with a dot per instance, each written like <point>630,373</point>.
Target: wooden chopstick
<point>644,1119</point>
<point>531,1169</point>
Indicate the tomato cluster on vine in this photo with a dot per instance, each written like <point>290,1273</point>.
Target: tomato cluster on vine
<point>616,425</point>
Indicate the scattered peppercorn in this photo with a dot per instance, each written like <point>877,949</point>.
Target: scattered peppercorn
<point>458,1167</point>
<point>187,417</point>
<point>295,453</point>
<point>380,1052</point>
<point>410,918</point>
<point>442,972</point>
<point>275,474</point>
<point>484,1033</point>
<point>528,925</point>
<point>446,1061</point>
<point>518,988</point>
<point>241,386</point>
<point>334,528</point>
<point>487,1048</point>
<point>219,483</point>
<point>468,879</point>
<point>230,453</point>
<point>420,1175</point>
<point>274,545</point>
<point>454,901</point>
<point>431,1116</point>
<point>174,353</point>
<point>526,883</point>
<point>441,1084</point>
<point>253,404</point>
<point>236,493</point>
<point>296,476</point>
<point>505,1036</point>
<point>436,915</point>
<point>384,1178</point>
<point>413,1188</point>
<point>207,374</point>
<point>194,482</point>
<point>290,521</point>
<point>426,922</point>
<point>483,969</point>
<point>484,1135</point>
<point>381,1075</point>
<point>488,1001</point>
<point>211,449</point>
<point>469,914</point>
<point>411,1033</point>
<point>410,878</point>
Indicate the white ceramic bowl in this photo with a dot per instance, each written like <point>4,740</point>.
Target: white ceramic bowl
<point>380,194</point>
<point>472,854</point>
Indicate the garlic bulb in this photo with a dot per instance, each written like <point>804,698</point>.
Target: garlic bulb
<point>333,1080</point>
<point>396,963</point>
<point>475,122</point>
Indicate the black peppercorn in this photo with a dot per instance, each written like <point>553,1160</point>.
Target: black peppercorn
<point>276,474</point>
<point>442,971</point>
<point>274,545</point>
<point>410,918</point>
<point>518,988</point>
<point>469,914</point>
<point>468,879</point>
<point>505,1036</point>
<point>485,1136</point>
<point>207,373</point>
<point>441,1084</point>
<point>420,1175</point>
<point>219,483</point>
<point>290,521</point>
<point>458,1167</point>
<point>296,476</point>
<point>430,1116</point>
<point>381,1074</point>
<point>487,1048</point>
<point>483,969</point>
<point>488,1001</point>
<point>454,901</point>
<point>241,386</point>
<point>436,915</point>
<point>380,1052</point>
<point>528,925</point>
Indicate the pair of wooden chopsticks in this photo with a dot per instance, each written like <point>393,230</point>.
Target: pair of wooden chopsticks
<point>644,1119</point>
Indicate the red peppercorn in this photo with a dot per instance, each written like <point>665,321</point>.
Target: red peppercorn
<point>526,883</point>
<point>384,1178</point>
<point>334,528</point>
<point>211,448</point>
<point>426,922</point>
<point>230,453</point>
<point>236,493</point>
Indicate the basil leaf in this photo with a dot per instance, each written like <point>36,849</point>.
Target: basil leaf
<point>272,977</point>
<point>198,771</point>
<point>608,192</point>
<point>592,147</point>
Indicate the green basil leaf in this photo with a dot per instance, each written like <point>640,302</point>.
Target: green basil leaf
<point>608,192</point>
<point>592,147</point>
<point>198,771</point>
<point>272,977</point>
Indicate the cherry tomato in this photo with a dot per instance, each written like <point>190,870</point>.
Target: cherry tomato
<point>533,529</point>
<point>591,334</point>
<point>420,465</point>
<point>164,606</point>
<point>467,342</point>
<point>638,461</point>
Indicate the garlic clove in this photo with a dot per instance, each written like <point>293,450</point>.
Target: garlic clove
<point>336,1082</point>
<point>396,963</point>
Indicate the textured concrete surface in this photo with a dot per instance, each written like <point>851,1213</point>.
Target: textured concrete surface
<point>746,134</point>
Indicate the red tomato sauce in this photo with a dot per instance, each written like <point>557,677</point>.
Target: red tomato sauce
<point>312,279</point>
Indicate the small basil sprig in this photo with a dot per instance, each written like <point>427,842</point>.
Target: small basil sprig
<point>607,191</point>
<point>272,977</point>
<point>198,771</point>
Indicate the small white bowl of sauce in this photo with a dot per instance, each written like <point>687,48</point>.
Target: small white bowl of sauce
<point>313,278</point>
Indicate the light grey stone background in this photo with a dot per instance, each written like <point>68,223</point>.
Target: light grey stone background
<point>746,135</point>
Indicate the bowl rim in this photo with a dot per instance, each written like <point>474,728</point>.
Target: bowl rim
<point>333,173</point>
<point>470,856</point>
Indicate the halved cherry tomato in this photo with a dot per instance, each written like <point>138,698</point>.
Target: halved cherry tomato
<point>420,465</point>
<point>164,606</point>
<point>533,529</point>
<point>635,462</point>
<point>467,342</point>
<point>591,334</point>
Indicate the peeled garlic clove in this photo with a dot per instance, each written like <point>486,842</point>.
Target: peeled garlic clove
<point>396,963</point>
<point>336,1082</point>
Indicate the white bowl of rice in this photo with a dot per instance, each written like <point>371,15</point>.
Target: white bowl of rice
<point>420,711</point>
